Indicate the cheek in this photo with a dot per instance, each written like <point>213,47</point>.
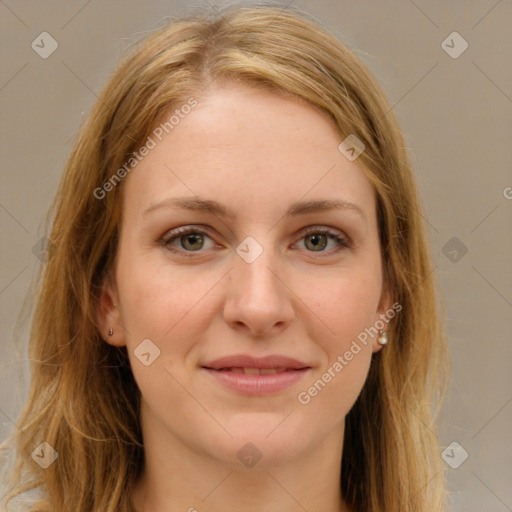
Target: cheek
<point>347,306</point>
<point>157,301</point>
<point>171,307</point>
<point>347,303</point>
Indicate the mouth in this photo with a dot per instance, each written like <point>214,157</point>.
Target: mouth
<point>256,376</point>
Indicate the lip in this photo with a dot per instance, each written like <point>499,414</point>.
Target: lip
<point>227,371</point>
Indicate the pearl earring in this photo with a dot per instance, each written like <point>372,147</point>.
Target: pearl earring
<point>110,331</point>
<point>383,337</point>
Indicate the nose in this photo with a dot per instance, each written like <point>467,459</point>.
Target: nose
<point>258,300</point>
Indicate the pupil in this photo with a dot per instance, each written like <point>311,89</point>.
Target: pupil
<point>318,241</point>
<point>193,238</point>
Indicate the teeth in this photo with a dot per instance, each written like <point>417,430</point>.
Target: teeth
<point>251,371</point>
<point>254,371</point>
<point>263,371</point>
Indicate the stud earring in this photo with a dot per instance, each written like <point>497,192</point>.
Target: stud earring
<point>383,337</point>
<point>110,331</point>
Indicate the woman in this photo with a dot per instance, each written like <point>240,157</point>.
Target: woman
<point>236,237</point>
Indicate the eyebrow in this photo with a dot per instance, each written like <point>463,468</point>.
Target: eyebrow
<point>198,204</point>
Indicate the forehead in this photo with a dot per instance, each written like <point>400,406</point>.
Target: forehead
<point>251,147</point>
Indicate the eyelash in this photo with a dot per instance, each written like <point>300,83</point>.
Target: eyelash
<point>179,232</point>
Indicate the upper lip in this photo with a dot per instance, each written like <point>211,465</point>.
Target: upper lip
<point>246,361</point>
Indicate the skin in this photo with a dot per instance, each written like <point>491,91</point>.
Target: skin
<point>256,153</point>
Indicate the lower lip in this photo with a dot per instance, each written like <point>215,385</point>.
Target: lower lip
<point>258,385</point>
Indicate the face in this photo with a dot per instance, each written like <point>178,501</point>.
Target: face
<point>229,247</point>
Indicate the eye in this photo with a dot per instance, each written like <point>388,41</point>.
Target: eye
<point>317,238</point>
<point>190,239</point>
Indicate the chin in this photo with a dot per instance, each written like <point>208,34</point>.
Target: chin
<point>264,436</point>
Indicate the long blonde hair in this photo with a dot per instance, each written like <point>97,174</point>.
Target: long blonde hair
<point>83,400</point>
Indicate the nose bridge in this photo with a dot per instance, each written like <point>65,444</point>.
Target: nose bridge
<point>257,296</point>
<point>255,259</point>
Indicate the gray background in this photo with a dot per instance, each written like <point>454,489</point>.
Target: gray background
<point>457,117</point>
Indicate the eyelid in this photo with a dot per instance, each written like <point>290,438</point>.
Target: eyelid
<point>184,230</point>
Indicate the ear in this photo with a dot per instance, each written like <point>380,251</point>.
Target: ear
<point>385,314</point>
<point>108,315</point>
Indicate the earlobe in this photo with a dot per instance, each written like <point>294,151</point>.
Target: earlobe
<point>108,316</point>
<point>385,314</point>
